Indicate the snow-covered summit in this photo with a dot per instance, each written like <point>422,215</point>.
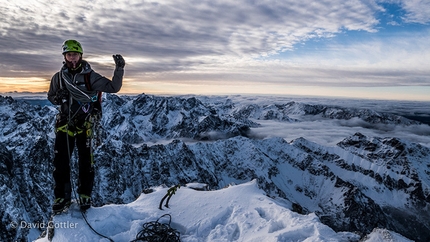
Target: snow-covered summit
<point>236,213</point>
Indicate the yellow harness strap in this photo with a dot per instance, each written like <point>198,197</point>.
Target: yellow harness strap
<point>65,129</point>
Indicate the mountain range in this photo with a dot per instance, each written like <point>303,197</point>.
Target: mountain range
<point>357,181</point>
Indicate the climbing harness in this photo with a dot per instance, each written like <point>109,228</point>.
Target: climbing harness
<point>91,110</point>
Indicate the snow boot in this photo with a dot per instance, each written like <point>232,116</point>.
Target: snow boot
<point>60,204</point>
<point>84,202</point>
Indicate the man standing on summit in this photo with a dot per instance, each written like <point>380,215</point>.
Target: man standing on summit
<point>76,89</point>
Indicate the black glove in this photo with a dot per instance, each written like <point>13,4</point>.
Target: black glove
<point>119,61</point>
<point>61,96</point>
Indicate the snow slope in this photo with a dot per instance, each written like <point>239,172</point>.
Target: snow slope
<point>236,213</point>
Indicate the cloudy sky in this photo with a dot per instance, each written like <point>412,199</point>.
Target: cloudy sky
<point>353,48</point>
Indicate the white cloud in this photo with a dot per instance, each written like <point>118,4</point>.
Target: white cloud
<point>221,27</point>
<point>418,11</point>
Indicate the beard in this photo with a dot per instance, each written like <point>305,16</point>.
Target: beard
<point>73,65</point>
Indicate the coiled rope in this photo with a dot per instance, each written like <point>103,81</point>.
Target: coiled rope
<point>155,231</point>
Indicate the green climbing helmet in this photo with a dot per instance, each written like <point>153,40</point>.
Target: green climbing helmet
<point>72,46</point>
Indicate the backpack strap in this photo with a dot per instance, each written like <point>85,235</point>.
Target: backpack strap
<point>87,81</point>
<point>60,80</point>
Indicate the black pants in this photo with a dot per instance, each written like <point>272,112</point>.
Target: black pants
<point>62,162</point>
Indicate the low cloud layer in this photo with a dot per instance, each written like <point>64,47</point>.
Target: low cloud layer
<point>327,131</point>
<point>331,132</point>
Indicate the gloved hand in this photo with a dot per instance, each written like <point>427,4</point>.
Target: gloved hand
<point>119,61</point>
<point>61,96</point>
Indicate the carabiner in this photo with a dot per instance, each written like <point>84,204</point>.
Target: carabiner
<point>94,98</point>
